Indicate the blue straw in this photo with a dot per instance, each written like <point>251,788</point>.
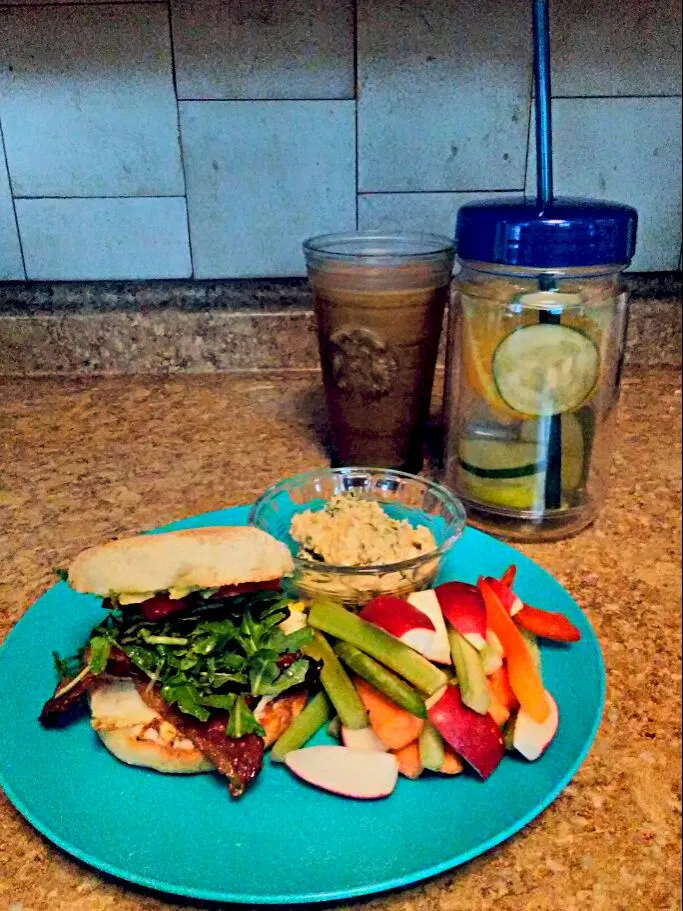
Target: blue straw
<point>544,132</point>
<point>544,196</point>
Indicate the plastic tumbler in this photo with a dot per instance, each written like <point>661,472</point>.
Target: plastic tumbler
<point>379,303</point>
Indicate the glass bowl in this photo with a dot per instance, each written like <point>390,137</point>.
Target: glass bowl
<point>401,495</point>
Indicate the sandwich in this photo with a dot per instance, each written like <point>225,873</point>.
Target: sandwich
<point>197,665</point>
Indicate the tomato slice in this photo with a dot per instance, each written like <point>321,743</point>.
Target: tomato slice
<point>161,606</point>
<point>243,588</point>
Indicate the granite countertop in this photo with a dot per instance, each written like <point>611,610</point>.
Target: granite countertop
<point>88,458</point>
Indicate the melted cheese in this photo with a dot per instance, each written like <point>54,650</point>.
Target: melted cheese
<point>118,705</point>
<point>134,597</point>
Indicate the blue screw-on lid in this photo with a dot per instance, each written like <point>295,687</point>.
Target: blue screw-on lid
<point>566,233</point>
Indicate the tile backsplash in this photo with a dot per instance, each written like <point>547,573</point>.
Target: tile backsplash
<point>206,139</point>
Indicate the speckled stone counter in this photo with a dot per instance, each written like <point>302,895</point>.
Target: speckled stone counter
<point>84,459</point>
<point>240,325</point>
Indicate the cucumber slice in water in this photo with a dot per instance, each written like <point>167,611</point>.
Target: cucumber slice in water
<point>497,458</point>
<point>546,369</point>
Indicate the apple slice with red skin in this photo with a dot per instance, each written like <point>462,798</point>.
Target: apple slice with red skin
<point>531,738</point>
<point>477,738</point>
<point>395,616</point>
<point>403,620</point>
<point>464,608</point>
<point>436,648</point>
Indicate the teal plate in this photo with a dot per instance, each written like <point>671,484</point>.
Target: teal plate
<point>284,842</point>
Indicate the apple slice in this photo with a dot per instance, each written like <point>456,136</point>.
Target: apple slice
<point>531,738</point>
<point>363,739</point>
<point>464,608</point>
<point>477,738</point>
<point>351,773</point>
<point>510,601</point>
<point>435,647</point>
<point>401,619</point>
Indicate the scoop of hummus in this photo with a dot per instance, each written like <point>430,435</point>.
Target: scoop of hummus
<point>350,531</point>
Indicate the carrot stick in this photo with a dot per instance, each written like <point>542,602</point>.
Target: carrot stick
<point>547,624</point>
<point>452,764</point>
<point>525,681</point>
<point>409,762</point>
<point>499,686</point>
<point>497,710</point>
<point>394,726</point>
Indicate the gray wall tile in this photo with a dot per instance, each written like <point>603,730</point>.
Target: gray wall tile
<point>609,48</point>
<point>432,212</point>
<point>262,176</point>
<point>263,49</point>
<point>443,94</point>
<point>104,238</point>
<point>87,101</point>
<point>11,266</point>
<point>626,150</point>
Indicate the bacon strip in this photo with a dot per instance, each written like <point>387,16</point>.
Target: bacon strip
<point>240,759</point>
<point>58,710</point>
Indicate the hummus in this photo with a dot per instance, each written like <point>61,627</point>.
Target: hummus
<point>350,531</point>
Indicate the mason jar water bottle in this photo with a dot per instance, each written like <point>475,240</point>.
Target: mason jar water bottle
<point>536,346</point>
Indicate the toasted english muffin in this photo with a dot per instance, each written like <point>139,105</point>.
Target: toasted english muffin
<point>137,735</point>
<point>191,558</point>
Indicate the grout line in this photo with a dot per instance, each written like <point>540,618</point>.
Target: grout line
<point>355,107</point>
<point>13,200</point>
<point>124,196</point>
<point>263,100</point>
<point>643,97</point>
<point>174,77</point>
<point>442,192</point>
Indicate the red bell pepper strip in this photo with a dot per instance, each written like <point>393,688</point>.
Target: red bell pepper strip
<point>547,625</point>
<point>525,680</point>
<point>509,576</point>
<point>543,623</point>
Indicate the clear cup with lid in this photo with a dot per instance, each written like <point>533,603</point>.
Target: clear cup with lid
<point>535,352</point>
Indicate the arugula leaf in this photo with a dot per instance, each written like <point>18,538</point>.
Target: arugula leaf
<point>223,627</point>
<point>62,573</point>
<point>226,679</point>
<point>242,721</point>
<point>100,648</point>
<point>207,593</point>
<point>226,701</point>
<point>68,667</point>
<point>187,698</point>
<point>205,644</point>
<point>293,675</point>
<point>145,658</point>
<point>263,671</point>
<point>230,662</point>
<point>291,642</point>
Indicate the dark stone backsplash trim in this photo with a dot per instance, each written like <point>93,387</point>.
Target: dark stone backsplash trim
<point>249,295</point>
<point>244,295</point>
